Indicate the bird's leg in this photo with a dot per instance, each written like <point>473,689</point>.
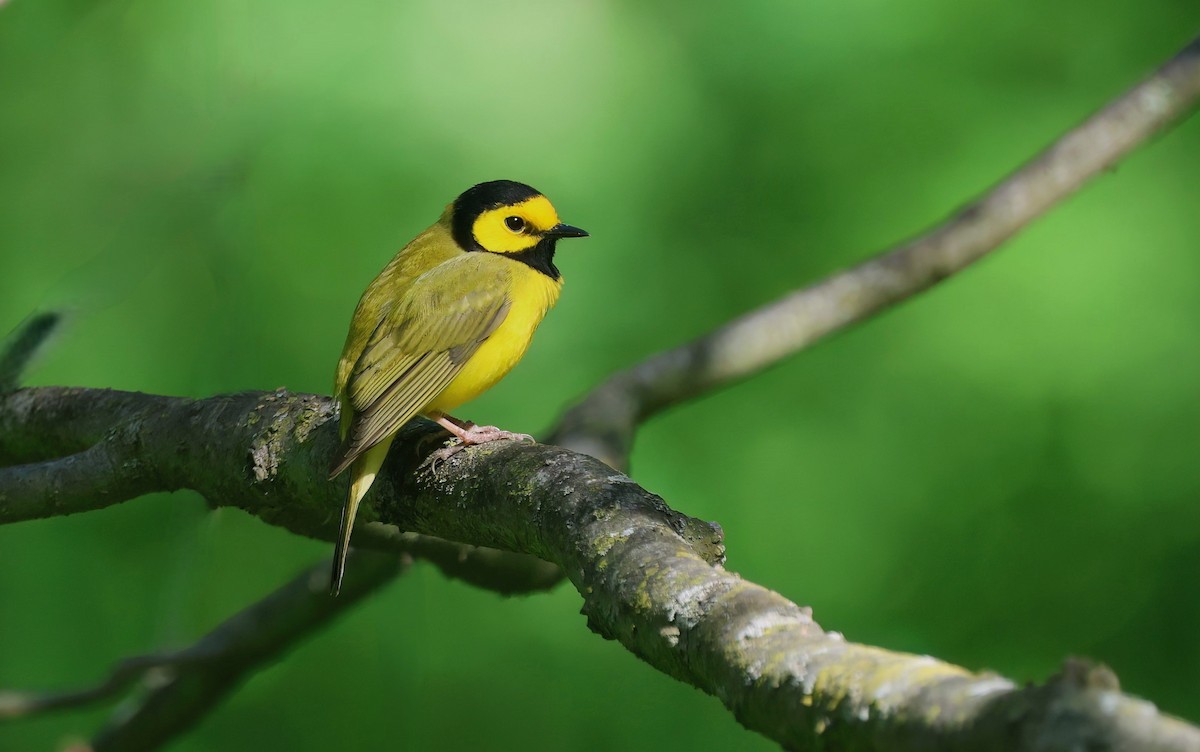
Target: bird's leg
<point>449,422</point>
<point>467,434</point>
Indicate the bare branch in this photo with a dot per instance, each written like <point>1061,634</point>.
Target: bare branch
<point>129,427</point>
<point>252,637</point>
<point>184,685</point>
<point>605,420</point>
<point>114,470</point>
<point>650,578</point>
<point>191,682</point>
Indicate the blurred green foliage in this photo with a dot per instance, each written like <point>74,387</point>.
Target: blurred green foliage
<point>1001,473</point>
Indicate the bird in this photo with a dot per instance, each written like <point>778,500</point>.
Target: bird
<point>448,317</point>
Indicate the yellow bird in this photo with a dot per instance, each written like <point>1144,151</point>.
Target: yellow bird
<point>445,320</point>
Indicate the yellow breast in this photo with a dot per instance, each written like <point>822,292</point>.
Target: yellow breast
<point>532,294</point>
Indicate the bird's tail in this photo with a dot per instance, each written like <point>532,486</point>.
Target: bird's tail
<point>363,473</point>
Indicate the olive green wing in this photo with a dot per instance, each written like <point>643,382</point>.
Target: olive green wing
<point>416,351</point>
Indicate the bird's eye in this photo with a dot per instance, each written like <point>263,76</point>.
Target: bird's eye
<point>516,224</point>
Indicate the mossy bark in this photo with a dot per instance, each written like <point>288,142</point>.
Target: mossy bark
<point>650,577</point>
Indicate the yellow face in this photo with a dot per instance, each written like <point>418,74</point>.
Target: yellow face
<point>515,228</point>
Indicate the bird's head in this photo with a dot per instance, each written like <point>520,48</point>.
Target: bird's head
<point>506,217</point>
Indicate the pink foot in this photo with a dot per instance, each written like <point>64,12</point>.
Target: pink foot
<point>484,434</point>
<point>472,434</point>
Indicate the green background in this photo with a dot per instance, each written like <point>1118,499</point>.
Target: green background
<point>1001,473</point>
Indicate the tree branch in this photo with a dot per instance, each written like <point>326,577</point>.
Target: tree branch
<point>180,687</point>
<point>48,422</point>
<point>183,686</point>
<point>606,419</point>
<point>650,577</point>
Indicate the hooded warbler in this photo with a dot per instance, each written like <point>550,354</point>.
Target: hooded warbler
<point>445,320</point>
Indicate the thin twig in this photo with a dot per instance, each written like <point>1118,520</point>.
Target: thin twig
<point>183,686</point>
<point>184,691</point>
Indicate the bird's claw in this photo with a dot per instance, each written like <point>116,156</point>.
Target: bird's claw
<point>484,434</point>
<point>471,436</point>
<point>453,447</point>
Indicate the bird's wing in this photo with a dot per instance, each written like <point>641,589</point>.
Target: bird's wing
<point>417,350</point>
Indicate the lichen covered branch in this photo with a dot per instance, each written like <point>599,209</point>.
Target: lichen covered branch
<point>650,577</point>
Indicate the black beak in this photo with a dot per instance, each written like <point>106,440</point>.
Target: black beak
<point>561,230</point>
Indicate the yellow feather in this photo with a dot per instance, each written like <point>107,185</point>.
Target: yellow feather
<point>365,469</point>
<point>493,234</point>
<point>532,294</point>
